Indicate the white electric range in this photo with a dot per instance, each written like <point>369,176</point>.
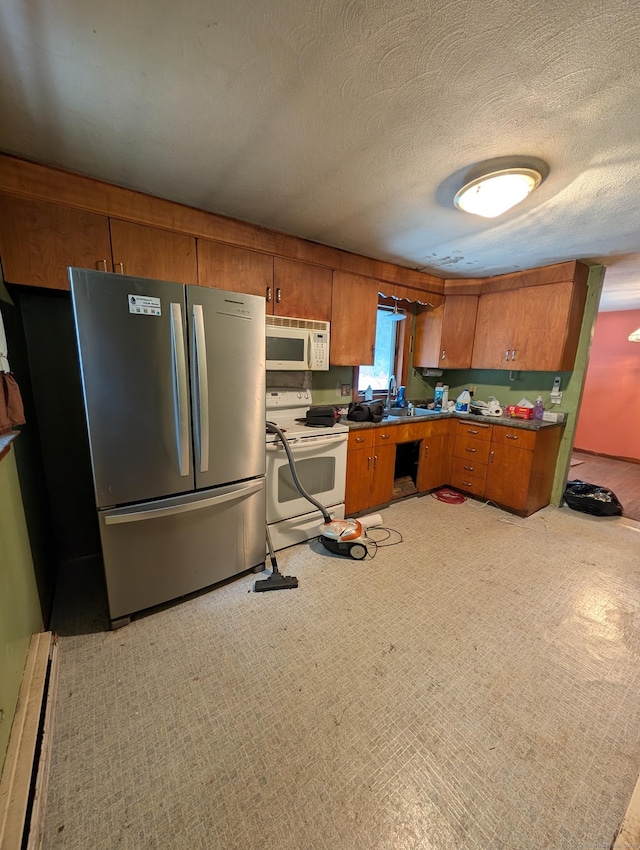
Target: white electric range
<point>320,454</point>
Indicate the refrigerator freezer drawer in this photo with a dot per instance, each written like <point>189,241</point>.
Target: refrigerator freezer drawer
<point>158,551</point>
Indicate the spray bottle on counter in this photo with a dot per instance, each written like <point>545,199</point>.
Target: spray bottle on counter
<point>538,408</point>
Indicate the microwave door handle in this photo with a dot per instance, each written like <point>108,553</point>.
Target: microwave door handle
<point>201,386</point>
<point>181,409</point>
<point>309,351</point>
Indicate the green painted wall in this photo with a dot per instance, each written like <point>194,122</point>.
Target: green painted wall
<point>326,385</point>
<point>20,615</point>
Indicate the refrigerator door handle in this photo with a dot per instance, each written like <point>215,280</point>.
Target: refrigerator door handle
<point>180,388</point>
<point>238,492</point>
<point>201,385</point>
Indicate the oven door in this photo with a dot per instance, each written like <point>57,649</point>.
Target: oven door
<point>321,464</point>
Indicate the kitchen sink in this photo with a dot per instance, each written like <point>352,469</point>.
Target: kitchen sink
<point>395,412</point>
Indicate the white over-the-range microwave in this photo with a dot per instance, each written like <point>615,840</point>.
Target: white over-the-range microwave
<point>297,344</point>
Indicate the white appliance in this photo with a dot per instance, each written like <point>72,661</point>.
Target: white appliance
<point>297,344</point>
<point>320,454</point>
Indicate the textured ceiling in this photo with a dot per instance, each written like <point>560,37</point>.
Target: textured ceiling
<point>348,122</point>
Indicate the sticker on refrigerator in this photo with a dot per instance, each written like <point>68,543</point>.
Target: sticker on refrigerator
<point>144,305</point>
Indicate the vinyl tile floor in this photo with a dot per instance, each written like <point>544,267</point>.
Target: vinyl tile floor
<point>475,686</point>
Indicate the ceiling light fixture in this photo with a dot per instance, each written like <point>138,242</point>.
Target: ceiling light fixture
<point>635,336</point>
<point>497,191</point>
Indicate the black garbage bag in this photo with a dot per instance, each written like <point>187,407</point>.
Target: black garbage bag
<point>592,499</point>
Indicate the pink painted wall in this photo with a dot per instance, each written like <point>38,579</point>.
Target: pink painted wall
<point>609,418</point>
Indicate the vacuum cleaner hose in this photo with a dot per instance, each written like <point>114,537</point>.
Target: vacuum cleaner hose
<point>273,428</point>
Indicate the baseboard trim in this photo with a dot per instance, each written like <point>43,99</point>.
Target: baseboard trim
<point>23,782</point>
<point>606,456</point>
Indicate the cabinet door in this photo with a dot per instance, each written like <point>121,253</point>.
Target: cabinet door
<point>542,327</point>
<point>39,241</point>
<point>384,461</point>
<point>236,269</point>
<point>508,476</point>
<point>458,331</point>
<point>150,252</point>
<point>358,484</point>
<point>301,290</point>
<point>432,469</point>
<point>444,335</point>
<point>498,314</point>
<point>354,308</point>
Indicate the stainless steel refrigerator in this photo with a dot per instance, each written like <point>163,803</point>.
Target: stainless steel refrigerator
<point>173,379</point>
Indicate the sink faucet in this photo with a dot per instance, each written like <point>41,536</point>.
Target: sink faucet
<point>390,389</point>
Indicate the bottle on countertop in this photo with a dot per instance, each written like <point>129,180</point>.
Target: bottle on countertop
<point>400,398</point>
<point>437,396</point>
<point>368,394</point>
<point>538,408</point>
<point>463,401</point>
<point>445,397</point>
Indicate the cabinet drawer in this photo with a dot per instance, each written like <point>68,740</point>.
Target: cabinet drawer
<point>468,483</point>
<point>471,447</point>
<point>468,467</point>
<point>384,436</point>
<point>505,436</point>
<point>407,432</point>
<point>360,438</point>
<point>477,430</point>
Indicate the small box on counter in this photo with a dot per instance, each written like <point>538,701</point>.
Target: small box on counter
<point>553,416</point>
<point>518,412</point>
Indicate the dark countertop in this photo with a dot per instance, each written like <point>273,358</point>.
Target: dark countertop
<point>526,424</point>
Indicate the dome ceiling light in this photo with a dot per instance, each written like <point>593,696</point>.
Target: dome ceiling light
<point>497,191</point>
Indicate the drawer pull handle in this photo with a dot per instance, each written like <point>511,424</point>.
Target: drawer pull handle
<point>268,293</point>
<point>368,463</point>
<point>470,450</point>
<point>359,439</point>
<point>121,267</point>
<point>467,483</point>
<point>426,448</point>
<point>491,456</point>
<point>513,354</point>
<point>469,468</point>
<point>444,354</point>
<point>506,355</point>
<point>471,431</point>
<point>102,263</point>
<point>278,295</point>
<point>512,437</point>
<point>375,461</point>
<point>384,436</point>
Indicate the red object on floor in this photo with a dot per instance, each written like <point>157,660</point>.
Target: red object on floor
<point>451,497</point>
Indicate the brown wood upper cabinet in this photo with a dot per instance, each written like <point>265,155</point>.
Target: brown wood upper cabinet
<point>301,290</point>
<point>534,328</point>
<point>39,241</point>
<point>444,334</point>
<point>150,252</point>
<point>354,308</point>
<point>223,266</point>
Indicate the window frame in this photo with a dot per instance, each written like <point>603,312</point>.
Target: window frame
<point>402,354</point>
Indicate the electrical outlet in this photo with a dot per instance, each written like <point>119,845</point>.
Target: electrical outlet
<point>472,391</point>
<point>345,389</point>
<point>556,398</point>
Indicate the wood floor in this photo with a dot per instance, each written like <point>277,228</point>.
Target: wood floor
<point>618,475</point>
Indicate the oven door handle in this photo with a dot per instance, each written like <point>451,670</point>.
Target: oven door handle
<point>301,443</point>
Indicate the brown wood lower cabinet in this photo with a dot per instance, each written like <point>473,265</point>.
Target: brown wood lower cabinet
<point>370,465</point>
<point>521,467</point>
<point>510,466</point>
